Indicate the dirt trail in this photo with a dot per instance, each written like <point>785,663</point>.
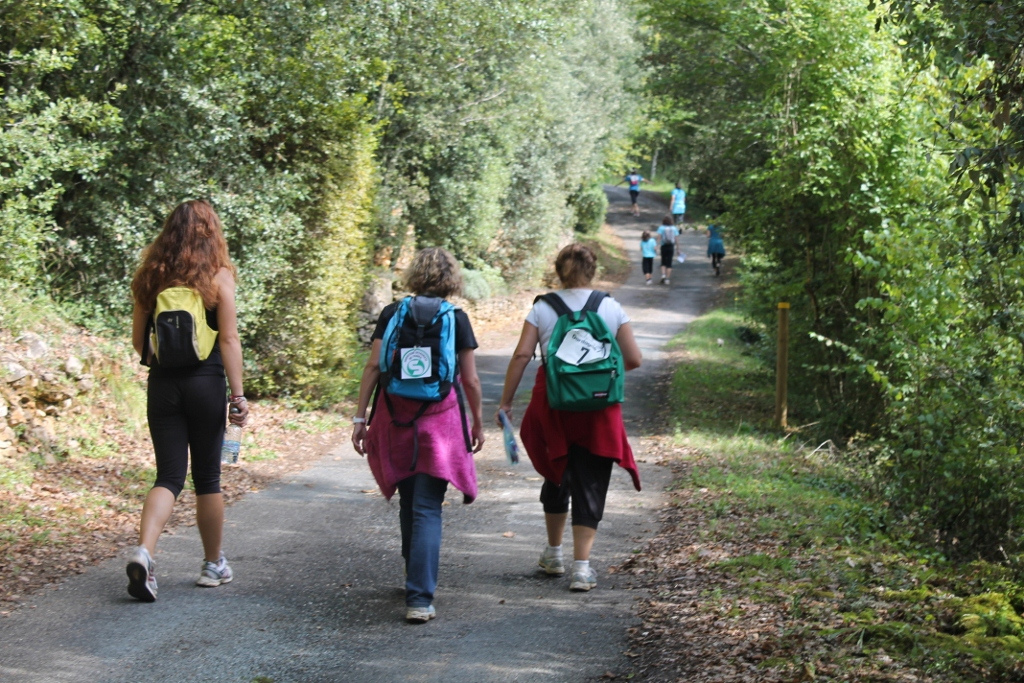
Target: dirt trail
<point>318,594</point>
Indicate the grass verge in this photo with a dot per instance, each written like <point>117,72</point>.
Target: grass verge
<point>612,267</point>
<point>776,562</point>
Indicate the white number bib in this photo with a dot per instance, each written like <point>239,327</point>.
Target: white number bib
<point>579,347</point>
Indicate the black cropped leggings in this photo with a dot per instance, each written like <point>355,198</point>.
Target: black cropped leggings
<point>585,482</point>
<point>187,414</point>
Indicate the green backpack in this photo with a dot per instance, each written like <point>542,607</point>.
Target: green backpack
<point>583,364</point>
<point>179,335</point>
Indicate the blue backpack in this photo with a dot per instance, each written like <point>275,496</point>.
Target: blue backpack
<point>418,360</point>
<point>417,355</point>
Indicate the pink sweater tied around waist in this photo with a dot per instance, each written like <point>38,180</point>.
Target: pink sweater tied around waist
<point>441,445</point>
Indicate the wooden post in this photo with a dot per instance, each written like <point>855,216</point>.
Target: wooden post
<point>782,366</point>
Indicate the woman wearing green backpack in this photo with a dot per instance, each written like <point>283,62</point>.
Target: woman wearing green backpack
<point>573,450</point>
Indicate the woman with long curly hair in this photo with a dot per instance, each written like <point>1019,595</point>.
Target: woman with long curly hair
<point>186,406</point>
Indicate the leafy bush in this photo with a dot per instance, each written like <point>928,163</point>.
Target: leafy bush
<point>319,136</point>
<point>475,286</point>
<point>590,204</point>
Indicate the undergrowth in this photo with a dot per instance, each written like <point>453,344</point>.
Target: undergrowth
<point>861,591</point>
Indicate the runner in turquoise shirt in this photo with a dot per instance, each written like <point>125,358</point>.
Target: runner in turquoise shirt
<point>679,204</point>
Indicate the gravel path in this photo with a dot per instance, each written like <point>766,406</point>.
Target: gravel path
<point>318,594</point>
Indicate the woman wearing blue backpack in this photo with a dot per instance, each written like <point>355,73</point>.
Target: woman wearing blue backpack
<point>573,450</point>
<point>416,438</point>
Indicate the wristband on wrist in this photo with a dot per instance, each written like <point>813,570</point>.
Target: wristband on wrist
<point>358,420</point>
<point>237,399</point>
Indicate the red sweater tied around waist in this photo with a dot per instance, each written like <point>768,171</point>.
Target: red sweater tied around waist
<point>547,435</point>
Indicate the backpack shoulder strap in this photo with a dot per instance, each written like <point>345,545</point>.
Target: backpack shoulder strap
<point>390,336</point>
<point>147,348</point>
<point>556,302</point>
<point>448,308</point>
<point>402,309</point>
<point>594,301</point>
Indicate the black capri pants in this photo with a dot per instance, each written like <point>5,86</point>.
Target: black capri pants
<point>647,264</point>
<point>667,252</point>
<point>187,413</point>
<point>585,482</point>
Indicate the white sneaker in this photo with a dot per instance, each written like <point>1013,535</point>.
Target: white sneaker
<point>648,282</point>
<point>141,580</point>
<point>667,281</point>
<point>420,615</point>
<point>551,563</point>
<point>214,573</point>
<point>583,580</point>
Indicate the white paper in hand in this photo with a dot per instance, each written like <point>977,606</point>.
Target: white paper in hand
<point>579,347</point>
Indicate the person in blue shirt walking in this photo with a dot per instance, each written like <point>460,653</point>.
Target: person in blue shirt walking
<point>679,204</point>
<point>716,247</point>
<point>648,251</point>
<point>633,178</point>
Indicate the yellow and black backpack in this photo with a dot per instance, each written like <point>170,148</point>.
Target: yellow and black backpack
<point>177,332</point>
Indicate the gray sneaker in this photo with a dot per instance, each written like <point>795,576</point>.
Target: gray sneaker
<point>551,563</point>
<point>214,573</point>
<point>420,615</point>
<point>141,580</point>
<point>583,579</point>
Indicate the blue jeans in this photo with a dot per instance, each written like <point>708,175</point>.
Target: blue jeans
<point>420,498</point>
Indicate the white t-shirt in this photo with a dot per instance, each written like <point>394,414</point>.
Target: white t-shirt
<point>543,317</point>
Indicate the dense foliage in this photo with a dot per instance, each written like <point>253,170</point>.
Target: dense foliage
<point>320,130</point>
<point>868,160</point>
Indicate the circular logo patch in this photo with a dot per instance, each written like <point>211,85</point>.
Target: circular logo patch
<point>415,363</point>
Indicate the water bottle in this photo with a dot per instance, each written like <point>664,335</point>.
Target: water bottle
<point>509,437</point>
<point>232,443</point>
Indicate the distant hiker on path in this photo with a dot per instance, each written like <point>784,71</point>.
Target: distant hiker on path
<point>573,451</point>
<point>186,400</point>
<point>678,205</point>
<point>419,446</point>
<point>716,247</point>
<point>648,252</point>
<point>633,179</point>
<point>667,234</point>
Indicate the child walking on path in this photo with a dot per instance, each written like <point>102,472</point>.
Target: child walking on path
<point>418,448</point>
<point>648,251</point>
<point>667,234</point>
